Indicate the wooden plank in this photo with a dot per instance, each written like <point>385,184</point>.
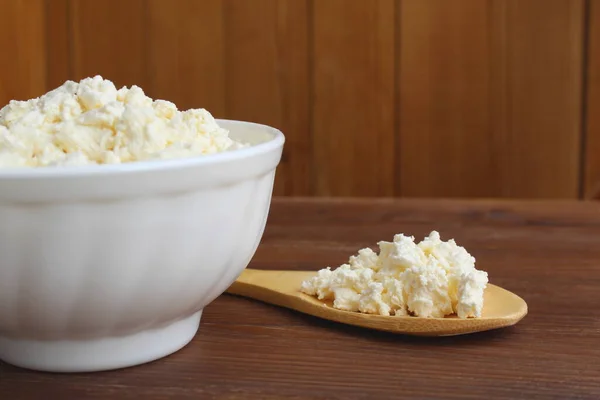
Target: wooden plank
<point>490,98</point>
<point>353,97</point>
<point>268,78</point>
<point>544,65</point>
<point>546,252</point>
<point>108,38</point>
<point>185,53</point>
<point>444,88</point>
<point>23,55</point>
<point>58,42</point>
<point>592,149</point>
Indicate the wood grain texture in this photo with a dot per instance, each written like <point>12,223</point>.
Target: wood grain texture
<point>547,252</point>
<point>186,53</point>
<point>108,38</point>
<point>353,97</point>
<point>268,78</point>
<point>444,85</point>
<point>490,91</point>
<point>23,54</point>
<point>591,183</point>
<point>544,88</point>
<point>58,43</point>
<point>463,98</point>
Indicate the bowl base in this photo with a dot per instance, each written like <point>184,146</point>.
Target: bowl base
<point>100,354</point>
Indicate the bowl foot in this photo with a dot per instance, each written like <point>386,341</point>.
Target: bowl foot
<point>100,354</point>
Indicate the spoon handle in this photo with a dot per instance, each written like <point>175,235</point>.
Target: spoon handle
<point>280,288</point>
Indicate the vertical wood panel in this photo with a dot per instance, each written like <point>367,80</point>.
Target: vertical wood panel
<point>489,91</point>
<point>444,78</point>
<point>108,38</point>
<point>185,53</point>
<point>23,52</point>
<point>57,43</point>
<point>490,98</point>
<point>592,150</point>
<point>267,78</point>
<point>353,99</point>
<point>544,65</point>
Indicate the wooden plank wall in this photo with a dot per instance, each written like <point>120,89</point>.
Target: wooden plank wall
<point>461,98</point>
<point>591,189</point>
<point>490,99</point>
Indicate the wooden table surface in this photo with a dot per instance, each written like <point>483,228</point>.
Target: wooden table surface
<point>547,252</point>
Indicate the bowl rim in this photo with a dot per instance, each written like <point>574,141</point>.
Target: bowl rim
<point>277,140</point>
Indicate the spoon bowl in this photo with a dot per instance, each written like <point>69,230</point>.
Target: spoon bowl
<point>501,308</point>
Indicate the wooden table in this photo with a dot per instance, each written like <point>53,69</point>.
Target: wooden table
<point>547,252</point>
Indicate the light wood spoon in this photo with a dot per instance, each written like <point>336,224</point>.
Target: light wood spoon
<point>501,308</point>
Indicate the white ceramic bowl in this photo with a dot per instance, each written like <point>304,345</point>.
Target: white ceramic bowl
<point>105,267</point>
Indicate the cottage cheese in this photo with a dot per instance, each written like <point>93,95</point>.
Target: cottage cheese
<point>433,278</point>
<point>93,122</point>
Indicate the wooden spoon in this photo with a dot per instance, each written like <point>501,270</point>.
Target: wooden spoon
<point>501,308</point>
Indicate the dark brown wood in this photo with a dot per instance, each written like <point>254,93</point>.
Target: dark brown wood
<point>407,98</point>
<point>547,252</point>
<point>591,182</point>
<point>473,94</point>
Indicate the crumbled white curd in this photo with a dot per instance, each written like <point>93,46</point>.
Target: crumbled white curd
<point>93,122</point>
<point>433,278</point>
